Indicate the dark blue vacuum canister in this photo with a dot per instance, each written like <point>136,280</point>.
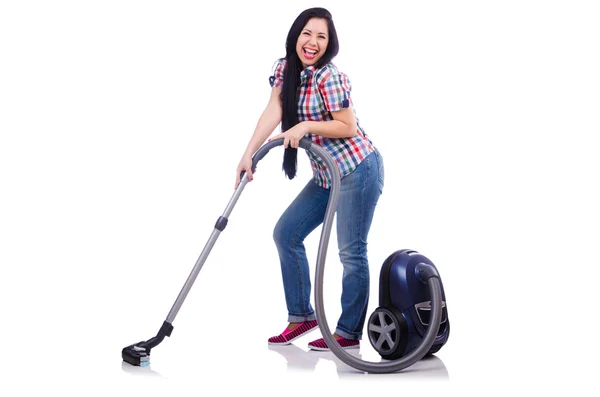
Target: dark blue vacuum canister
<point>398,325</point>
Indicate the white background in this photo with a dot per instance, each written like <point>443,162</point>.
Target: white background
<point>122,123</point>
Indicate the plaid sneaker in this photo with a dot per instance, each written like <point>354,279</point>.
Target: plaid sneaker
<point>287,336</point>
<point>321,345</point>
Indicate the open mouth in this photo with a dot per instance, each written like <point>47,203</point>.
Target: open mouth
<point>309,53</point>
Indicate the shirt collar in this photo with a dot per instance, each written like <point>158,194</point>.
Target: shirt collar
<point>307,71</point>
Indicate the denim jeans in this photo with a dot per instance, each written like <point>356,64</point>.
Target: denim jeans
<point>359,193</point>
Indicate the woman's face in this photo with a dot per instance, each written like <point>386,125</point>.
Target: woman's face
<point>312,41</point>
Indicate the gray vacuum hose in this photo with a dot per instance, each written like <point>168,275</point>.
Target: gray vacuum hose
<point>432,280</point>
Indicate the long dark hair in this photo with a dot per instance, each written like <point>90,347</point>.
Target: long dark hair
<point>291,77</point>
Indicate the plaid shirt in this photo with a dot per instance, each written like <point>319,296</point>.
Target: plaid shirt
<point>321,92</point>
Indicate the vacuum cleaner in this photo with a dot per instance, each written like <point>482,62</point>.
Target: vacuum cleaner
<point>410,323</point>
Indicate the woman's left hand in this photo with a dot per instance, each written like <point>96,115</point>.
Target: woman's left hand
<point>292,136</point>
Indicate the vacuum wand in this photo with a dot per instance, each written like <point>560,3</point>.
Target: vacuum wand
<point>138,354</point>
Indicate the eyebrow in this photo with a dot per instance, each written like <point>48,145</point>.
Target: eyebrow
<point>310,31</point>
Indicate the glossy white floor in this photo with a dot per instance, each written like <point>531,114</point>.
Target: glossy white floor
<point>122,123</point>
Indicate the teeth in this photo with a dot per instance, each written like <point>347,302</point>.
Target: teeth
<point>310,51</point>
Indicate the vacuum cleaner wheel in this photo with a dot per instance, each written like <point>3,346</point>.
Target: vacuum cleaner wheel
<point>386,330</point>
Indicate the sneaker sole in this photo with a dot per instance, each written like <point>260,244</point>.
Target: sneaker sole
<point>326,349</point>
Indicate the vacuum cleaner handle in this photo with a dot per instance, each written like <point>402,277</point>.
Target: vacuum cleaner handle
<point>304,143</point>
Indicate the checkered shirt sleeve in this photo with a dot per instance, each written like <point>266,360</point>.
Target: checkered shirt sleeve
<point>276,79</point>
<point>335,88</point>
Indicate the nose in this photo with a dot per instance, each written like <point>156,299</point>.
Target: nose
<point>313,40</point>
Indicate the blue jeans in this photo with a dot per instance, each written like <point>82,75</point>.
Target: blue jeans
<point>359,193</point>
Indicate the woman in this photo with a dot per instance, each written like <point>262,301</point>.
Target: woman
<point>310,97</point>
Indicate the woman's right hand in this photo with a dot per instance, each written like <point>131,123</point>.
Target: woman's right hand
<point>244,165</point>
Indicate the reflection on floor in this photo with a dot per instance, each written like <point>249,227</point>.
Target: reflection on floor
<point>300,360</point>
<point>303,360</point>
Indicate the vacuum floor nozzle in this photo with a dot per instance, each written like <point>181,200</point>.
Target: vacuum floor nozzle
<point>136,354</point>
<point>139,353</point>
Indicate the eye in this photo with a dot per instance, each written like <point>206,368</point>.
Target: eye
<point>322,37</point>
<point>306,33</point>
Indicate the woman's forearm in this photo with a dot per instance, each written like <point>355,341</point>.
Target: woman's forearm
<point>330,129</point>
<point>268,121</point>
<point>343,125</point>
